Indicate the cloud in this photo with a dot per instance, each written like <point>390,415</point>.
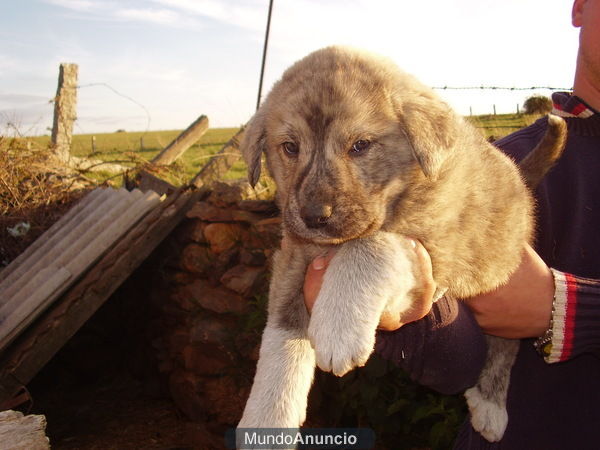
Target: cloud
<point>159,16</point>
<point>248,14</point>
<point>172,13</point>
<point>27,120</point>
<point>77,5</point>
<point>23,99</point>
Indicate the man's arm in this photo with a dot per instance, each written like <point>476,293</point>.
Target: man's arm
<point>537,298</point>
<point>445,350</point>
<point>439,344</point>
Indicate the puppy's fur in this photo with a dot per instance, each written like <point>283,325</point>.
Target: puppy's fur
<point>364,156</point>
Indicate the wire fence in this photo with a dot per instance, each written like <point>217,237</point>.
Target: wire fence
<point>12,121</point>
<point>502,88</point>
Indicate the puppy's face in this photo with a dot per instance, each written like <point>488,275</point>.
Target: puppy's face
<point>338,146</point>
<point>336,163</point>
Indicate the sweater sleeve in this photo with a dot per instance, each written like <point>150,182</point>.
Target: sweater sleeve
<point>445,350</point>
<point>576,317</point>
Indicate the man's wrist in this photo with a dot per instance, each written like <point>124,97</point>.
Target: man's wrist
<point>559,345</point>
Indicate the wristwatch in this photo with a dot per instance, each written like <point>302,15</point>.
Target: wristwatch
<point>543,344</point>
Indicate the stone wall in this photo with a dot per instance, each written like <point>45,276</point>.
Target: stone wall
<point>211,286</point>
<point>212,291</point>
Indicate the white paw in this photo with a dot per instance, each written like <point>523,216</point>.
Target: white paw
<point>340,349</point>
<point>488,418</point>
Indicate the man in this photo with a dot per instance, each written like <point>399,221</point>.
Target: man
<point>554,395</point>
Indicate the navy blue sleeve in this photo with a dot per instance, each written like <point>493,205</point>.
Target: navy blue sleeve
<point>445,350</point>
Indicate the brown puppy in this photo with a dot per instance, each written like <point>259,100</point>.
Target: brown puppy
<point>364,155</point>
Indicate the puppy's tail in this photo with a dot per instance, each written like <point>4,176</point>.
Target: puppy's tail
<point>541,159</point>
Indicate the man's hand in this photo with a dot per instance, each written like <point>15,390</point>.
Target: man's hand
<point>522,308</point>
<point>391,320</point>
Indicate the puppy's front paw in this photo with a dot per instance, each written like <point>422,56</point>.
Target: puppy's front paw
<point>488,418</point>
<point>340,350</point>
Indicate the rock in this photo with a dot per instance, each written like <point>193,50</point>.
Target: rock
<point>19,432</point>
<point>264,234</point>
<point>181,297</point>
<point>223,236</point>
<point>227,400</point>
<point>224,262</point>
<point>260,206</point>
<point>217,299</point>
<point>195,231</point>
<point>248,345</point>
<point>196,258</point>
<point>206,359</point>
<point>177,277</point>
<point>178,340</point>
<point>183,386</point>
<point>242,279</point>
<point>211,330</point>
<point>229,193</point>
<point>253,257</point>
<point>210,213</point>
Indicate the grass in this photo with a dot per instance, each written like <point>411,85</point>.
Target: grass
<point>500,125</point>
<point>131,148</point>
<point>137,148</point>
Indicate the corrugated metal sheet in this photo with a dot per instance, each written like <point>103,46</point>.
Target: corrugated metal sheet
<point>61,255</point>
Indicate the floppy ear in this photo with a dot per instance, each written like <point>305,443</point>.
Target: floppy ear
<point>253,144</point>
<point>430,126</point>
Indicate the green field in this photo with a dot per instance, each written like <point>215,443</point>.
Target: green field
<point>131,148</point>
<point>500,125</point>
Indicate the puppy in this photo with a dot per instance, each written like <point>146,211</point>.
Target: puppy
<point>363,156</point>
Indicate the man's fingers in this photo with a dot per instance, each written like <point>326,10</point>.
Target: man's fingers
<point>424,268</point>
<point>314,278</point>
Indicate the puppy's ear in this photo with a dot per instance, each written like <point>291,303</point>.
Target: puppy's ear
<point>253,145</point>
<point>429,125</point>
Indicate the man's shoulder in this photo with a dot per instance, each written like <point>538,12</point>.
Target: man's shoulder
<point>521,142</point>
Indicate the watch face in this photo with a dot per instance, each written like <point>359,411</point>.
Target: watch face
<point>546,348</point>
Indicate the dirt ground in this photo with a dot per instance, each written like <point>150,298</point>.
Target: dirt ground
<point>103,391</point>
<point>116,413</point>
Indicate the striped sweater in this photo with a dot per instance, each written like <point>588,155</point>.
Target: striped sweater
<point>552,403</point>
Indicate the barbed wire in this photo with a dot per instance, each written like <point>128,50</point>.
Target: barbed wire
<point>502,88</point>
<point>148,117</point>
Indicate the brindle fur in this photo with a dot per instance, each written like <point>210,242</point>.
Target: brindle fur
<point>427,174</point>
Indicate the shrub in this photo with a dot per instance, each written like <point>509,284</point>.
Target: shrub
<point>537,104</point>
<point>380,396</point>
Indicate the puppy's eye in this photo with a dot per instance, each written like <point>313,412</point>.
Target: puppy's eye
<point>360,146</point>
<point>290,149</point>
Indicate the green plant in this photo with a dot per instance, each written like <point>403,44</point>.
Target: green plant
<point>380,396</point>
<point>256,319</point>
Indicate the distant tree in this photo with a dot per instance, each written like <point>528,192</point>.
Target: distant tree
<point>537,104</point>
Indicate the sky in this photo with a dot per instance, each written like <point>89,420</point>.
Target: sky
<point>159,64</point>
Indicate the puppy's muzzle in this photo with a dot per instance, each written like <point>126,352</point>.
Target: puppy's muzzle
<point>316,215</point>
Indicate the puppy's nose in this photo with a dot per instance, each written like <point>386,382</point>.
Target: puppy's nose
<point>315,215</point>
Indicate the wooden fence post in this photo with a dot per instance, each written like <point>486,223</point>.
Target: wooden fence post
<point>220,163</point>
<point>182,142</point>
<point>65,111</point>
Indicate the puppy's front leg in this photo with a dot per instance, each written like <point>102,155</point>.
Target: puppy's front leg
<point>362,278</point>
<point>286,364</point>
